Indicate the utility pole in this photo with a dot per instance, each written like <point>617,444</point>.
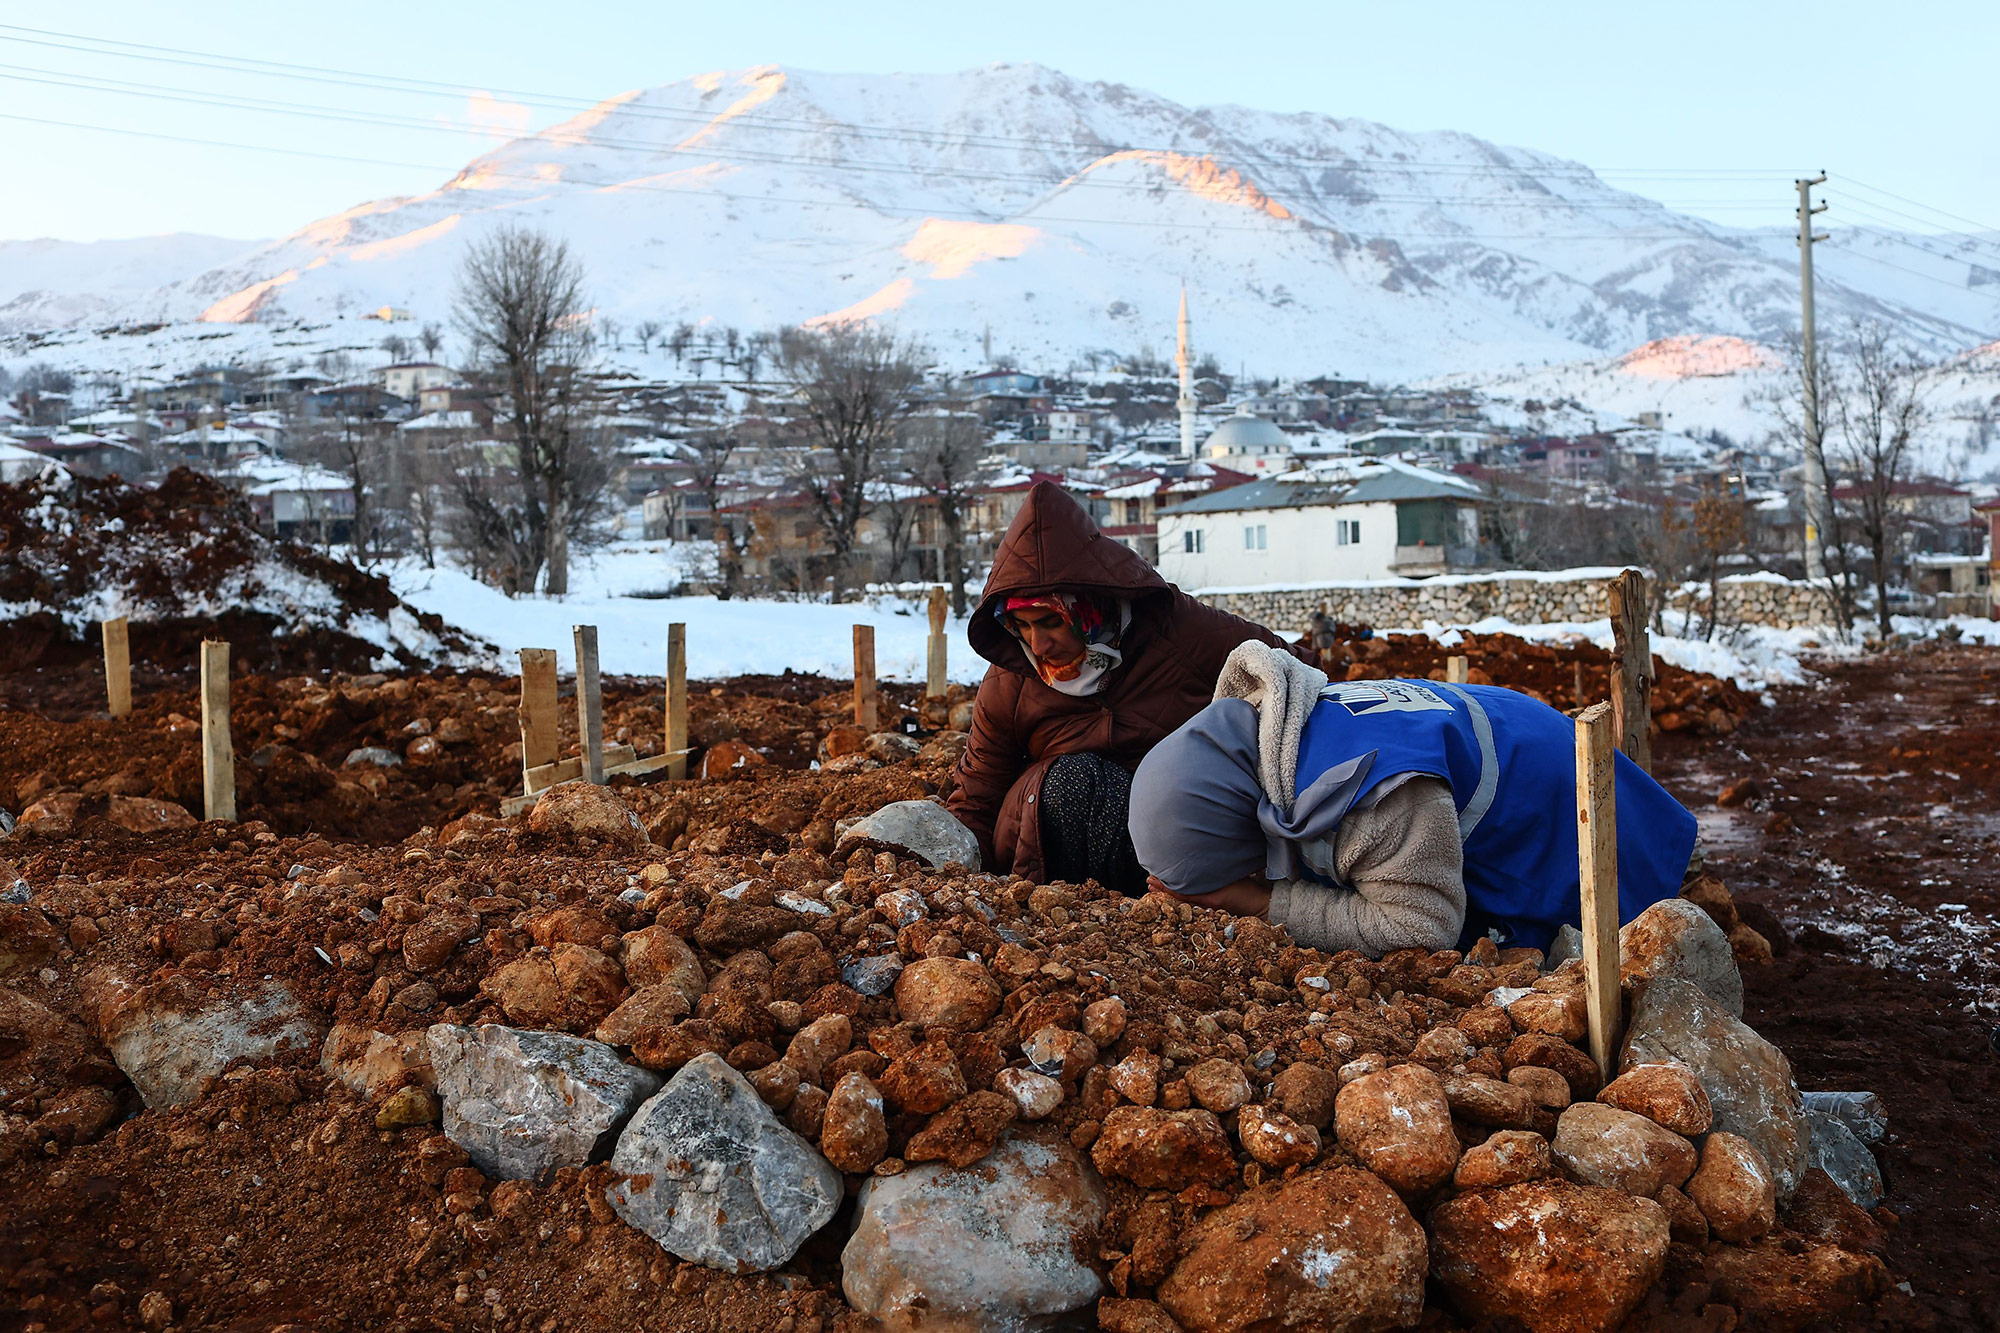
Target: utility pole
<point>1815,457</point>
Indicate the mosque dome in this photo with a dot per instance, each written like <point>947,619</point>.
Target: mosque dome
<point>1245,434</point>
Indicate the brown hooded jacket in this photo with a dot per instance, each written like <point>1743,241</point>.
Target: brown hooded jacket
<point>1173,650</point>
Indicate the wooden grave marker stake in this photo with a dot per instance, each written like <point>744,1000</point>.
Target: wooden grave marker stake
<point>1456,669</point>
<point>118,666</point>
<point>541,734</point>
<point>934,685</point>
<point>589,705</point>
<point>1632,682</point>
<point>677,701</point>
<point>1597,854</point>
<point>867,712</point>
<point>218,753</point>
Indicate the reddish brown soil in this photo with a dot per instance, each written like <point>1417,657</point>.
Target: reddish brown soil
<point>272,1200</point>
<point>1566,675</point>
<point>1880,805</point>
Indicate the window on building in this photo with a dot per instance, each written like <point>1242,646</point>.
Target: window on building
<point>1191,541</point>
<point>1254,536</point>
<point>1346,531</point>
<point>1133,508</point>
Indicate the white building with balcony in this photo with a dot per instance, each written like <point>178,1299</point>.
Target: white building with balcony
<point>1351,519</point>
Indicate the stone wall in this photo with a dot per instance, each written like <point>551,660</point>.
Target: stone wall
<point>1532,599</point>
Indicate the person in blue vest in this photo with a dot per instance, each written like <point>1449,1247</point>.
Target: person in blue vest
<point>1388,814</point>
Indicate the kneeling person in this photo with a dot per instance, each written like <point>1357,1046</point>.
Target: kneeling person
<point>1389,814</point>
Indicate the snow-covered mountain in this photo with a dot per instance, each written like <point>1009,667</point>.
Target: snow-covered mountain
<point>47,284</point>
<point>1059,217</point>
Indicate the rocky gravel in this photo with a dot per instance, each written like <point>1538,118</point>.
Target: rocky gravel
<point>695,1055</point>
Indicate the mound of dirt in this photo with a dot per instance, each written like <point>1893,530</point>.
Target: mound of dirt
<point>1205,1065</point>
<point>186,560</point>
<point>1565,675</point>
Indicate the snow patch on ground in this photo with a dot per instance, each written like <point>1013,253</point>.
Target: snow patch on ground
<point>737,637</point>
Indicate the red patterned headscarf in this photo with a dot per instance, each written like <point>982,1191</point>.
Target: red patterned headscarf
<point>1100,652</point>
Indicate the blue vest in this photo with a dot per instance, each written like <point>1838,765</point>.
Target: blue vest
<point>1511,764</point>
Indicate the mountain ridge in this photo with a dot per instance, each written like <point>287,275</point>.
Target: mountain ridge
<point>1062,215</point>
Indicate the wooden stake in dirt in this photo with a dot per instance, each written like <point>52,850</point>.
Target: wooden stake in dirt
<point>934,681</point>
<point>118,666</point>
<point>589,705</point>
<point>1597,854</point>
<point>867,713</point>
<point>218,754</point>
<point>1456,669</point>
<point>1632,683</point>
<point>677,700</point>
<point>540,729</point>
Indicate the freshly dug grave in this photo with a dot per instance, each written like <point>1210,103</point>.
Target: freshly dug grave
<point>371,758</point>
<point>1185,1120</point>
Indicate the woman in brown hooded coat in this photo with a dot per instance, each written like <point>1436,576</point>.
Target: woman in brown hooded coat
<point>1046,773</point>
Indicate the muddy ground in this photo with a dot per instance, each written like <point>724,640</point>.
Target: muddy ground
<point>1868,852</point>
<point>274,1200</point>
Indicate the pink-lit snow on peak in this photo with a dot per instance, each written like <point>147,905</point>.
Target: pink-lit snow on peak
<point>952,248</point>
<point>1689,357</point>
<point>1202,176</point>
<point>888,298</point>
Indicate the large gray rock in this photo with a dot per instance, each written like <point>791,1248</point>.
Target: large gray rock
<point>525,1103</point>
<point>1677,939</point>
<point>1839,1151</point>
<point>991,1248</point>
<point>710,1174</point>
<point>171,1039</point>
<point>1861,1112</point>
<point>922,828</point>
<point>1747,1079</point>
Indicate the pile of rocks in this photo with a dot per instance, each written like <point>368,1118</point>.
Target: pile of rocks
<point>1040,1097</point>
<point>946,1099</point>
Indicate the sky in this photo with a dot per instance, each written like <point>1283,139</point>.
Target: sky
<point>1710,107</point>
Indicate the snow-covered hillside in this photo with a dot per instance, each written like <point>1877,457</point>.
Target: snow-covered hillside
<point>1734,386</point>
<point>1061,216</point>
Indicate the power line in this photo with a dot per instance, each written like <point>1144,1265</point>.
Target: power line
<point>546,186</point>
<point>120,87</point>
<point>766,120</point>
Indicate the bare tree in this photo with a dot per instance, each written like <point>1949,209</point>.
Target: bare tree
<point>853,385</point>
<point>711,468</point>
<point>646,332</point>
<point>1717,525</point>
<point>612,328</point>
<point>357,449</point>
<point>397,346</point>
<point>522,310</point>
<point>678,341</point>
<point>432,337</point>
<point>896,515</point>
<point>1880,403</point>
<point>943,450</point>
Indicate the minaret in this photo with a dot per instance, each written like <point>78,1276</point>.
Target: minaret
<point>1184,358</point>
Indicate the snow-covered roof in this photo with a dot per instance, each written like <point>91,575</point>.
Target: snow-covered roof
<point>214,436</point>
<point>456,419</point>
<point>269,476</point>
<point>1137,490</point>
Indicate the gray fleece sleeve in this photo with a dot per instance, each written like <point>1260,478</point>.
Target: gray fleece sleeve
<point>1404,859</point>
